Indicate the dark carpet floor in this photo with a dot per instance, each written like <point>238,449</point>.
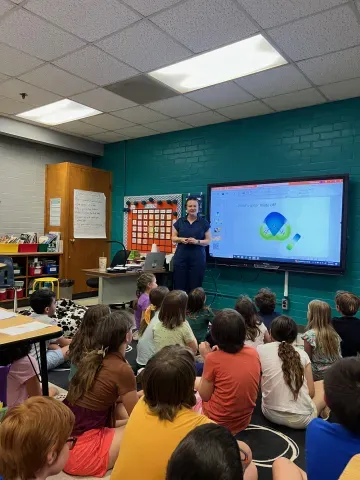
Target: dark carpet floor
<point>266,440</point>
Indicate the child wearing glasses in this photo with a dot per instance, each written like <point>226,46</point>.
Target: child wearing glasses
<point>35,439</point>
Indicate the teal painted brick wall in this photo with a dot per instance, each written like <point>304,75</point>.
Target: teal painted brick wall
<point>318,140</point>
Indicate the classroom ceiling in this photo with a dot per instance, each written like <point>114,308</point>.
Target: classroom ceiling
<point>55,49</point>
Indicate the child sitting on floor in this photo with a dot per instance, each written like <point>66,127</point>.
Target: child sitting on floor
<point>265,300</point>
<point>146,282</point>
<point>289,395</point>
<point>330,446</point>
<point>35,439</point>
<point>102,381</point>
<point>173,329</point>
<point>23,379</point>
<point>348,326</point>
<point>256,332</point>
<point>198,314</point>
<point>321,342</point>
<point>163,417</point>
<point>43,303</point>
<point>83,341</point>
<point>230,381</point>
<point>146,345</point>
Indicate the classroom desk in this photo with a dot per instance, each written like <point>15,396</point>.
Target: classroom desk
<point>115,288</point>
<point>39,336</point>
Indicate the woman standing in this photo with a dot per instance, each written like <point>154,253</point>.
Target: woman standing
<point>192,235</point>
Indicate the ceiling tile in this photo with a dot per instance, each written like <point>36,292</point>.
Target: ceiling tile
<point>12,107</point>
<point>96,66</point>
<point>177,106</point>
<point>140,114</point>
<point>205,24</point>
<point>250,109</point>
<point>205,118</point>
<point>103,100</point>
<point>322,33</point>
<point>304,98</point>
<point>109,122</point>
<point>147,7</point>
<point>169,125</point>
<point>55,80</point>
<point>88,19</point>
<point>108,137</point>
<point>27,32</point>
<point>3,77</point>
<point>80,128</point>
<point>16,1</point>
<point>221,95</point>
<point>342,90</point>
<point>274,82</point>
<point>137,131</point>
<point>132,46</point>
<point>14,63</point>
<point>5,7</point>
<point>275,12</point>
<point>333,67</point>
<point>35,96</point>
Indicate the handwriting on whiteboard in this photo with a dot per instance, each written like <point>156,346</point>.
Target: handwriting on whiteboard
<point>89,214</point>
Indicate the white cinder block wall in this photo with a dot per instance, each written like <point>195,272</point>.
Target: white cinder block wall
<point>22,182</point>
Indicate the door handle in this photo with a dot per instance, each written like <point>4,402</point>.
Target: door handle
<point>72,240</point>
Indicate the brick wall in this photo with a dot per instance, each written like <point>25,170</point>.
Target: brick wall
<point>22,182</point>
<point>318,140</point>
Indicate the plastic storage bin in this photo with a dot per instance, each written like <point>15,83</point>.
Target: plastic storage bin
<point>28,247</point>
<point>43,247</point>
<point>9,247</point>
<point>51,269</point>
<point>33,271</point>
<point>3,294</point>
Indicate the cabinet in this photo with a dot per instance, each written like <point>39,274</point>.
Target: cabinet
<point>78,253</point>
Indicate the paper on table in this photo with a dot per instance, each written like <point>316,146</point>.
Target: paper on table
<point>89,214</point>
<point>4,314</point>
<point>24,328</point>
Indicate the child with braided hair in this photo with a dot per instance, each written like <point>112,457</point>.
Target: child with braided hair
<point>289,395</point>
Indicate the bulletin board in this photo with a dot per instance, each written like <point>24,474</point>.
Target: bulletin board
<point>149,219</point>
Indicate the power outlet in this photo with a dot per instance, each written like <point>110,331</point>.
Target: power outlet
<point>285,303</point>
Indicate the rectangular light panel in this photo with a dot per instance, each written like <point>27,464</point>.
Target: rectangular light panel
<point>59,112</point>
<point>226,63</point>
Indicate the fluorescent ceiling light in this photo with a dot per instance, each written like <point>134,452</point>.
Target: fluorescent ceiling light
<point>233,61</point>
<point>59,112</point>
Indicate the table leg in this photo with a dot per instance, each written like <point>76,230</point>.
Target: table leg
<point>101,291</point>
<point>44,371</point>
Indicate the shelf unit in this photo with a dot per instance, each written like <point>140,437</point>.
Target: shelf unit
<point>24,259</point>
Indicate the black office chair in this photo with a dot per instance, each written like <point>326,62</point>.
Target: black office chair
<point>119,258</point>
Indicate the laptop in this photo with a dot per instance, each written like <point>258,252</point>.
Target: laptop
<point>154,261</point>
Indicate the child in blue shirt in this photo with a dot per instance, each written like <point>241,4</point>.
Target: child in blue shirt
<point>330,446</point>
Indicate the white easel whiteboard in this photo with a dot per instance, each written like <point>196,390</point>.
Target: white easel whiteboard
<point>89,214</point>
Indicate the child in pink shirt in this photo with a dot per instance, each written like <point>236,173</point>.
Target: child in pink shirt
<point>145,283</point>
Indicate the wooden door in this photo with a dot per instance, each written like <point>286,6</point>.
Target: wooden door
<point>85,252</point>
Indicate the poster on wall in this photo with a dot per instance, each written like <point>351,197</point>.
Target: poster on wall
<point>89,214</point>
<point>55,212</point>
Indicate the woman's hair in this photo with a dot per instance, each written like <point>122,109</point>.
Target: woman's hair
<point>83,341</point>
<point>209,452</point>
<point>191,199</point>
<point>228,330</point>
<point>196,300</point>
<point>173,309</point>
<point>247,310</point>
<point>348,303</point>
<point>168,381</point>
<point>31,431</point>
<point>265,300</point>
<point>109,335</point>
<point>319,319</point>
<point>156,297</point>
<point>11,353</point>
<point>143,282</point>
<point>284,330</point>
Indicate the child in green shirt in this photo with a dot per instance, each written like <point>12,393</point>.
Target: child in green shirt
<point>198,314</point>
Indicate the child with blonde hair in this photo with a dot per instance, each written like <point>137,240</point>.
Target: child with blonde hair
<point>321,342</point>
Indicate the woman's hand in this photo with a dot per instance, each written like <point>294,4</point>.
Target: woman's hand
<point>192,241</point>
<point>204,349</point>
<point>185,240</point>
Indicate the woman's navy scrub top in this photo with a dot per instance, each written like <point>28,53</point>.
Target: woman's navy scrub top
<point>190,260</point>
